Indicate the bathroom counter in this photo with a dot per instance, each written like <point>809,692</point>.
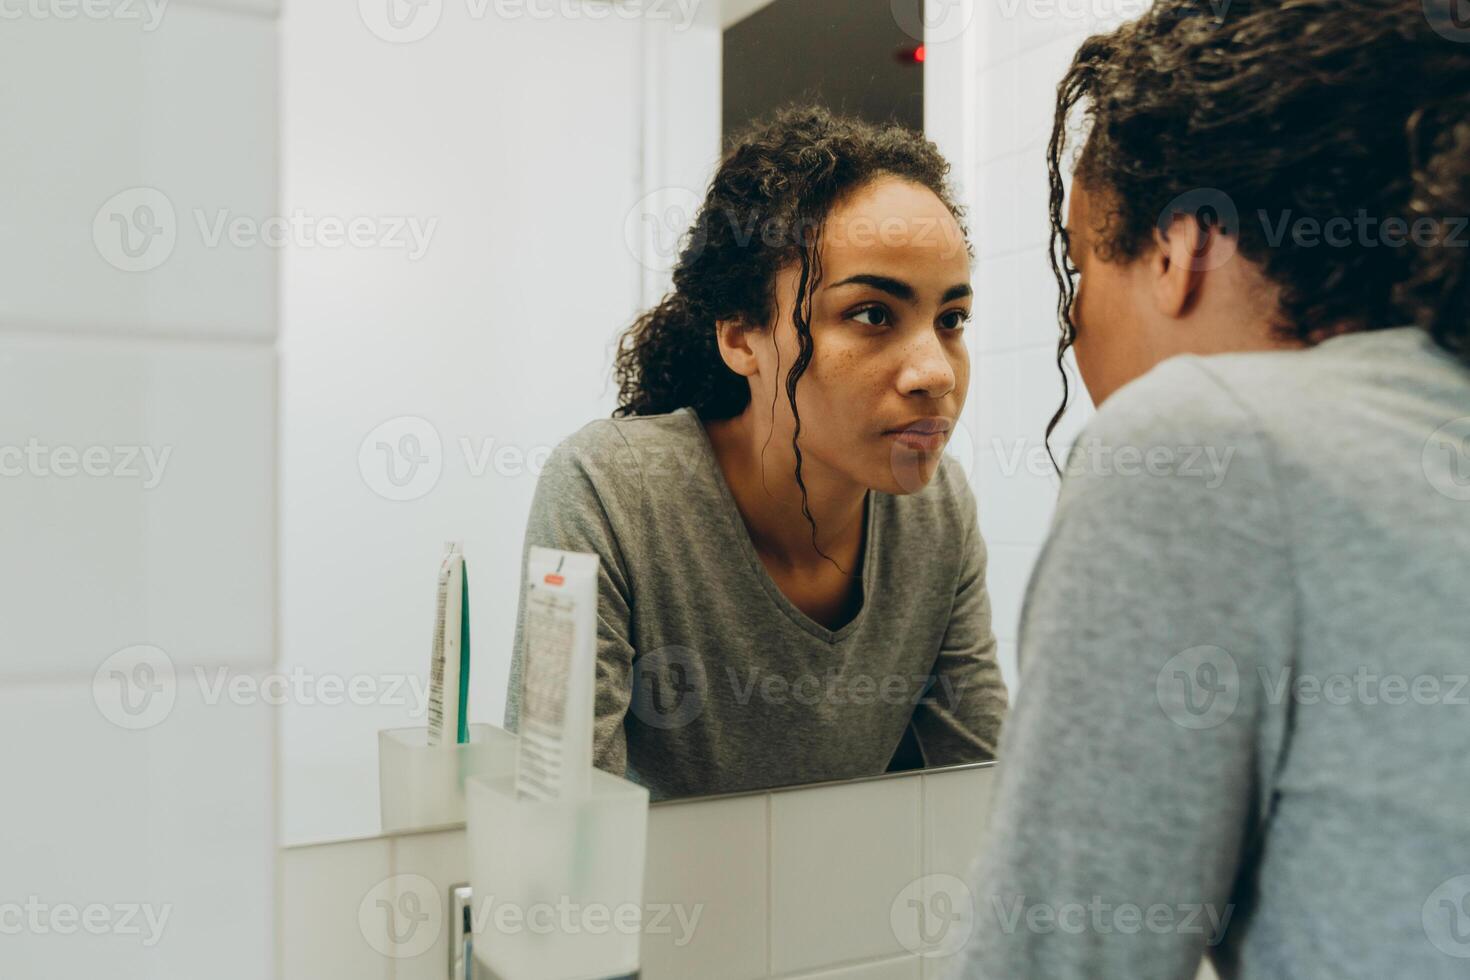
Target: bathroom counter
<point>821,882</point>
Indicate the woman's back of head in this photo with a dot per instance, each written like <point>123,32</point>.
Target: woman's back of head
<point>1350,118</point>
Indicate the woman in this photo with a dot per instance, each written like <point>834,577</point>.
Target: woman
<point>792,573</point>
<point>1241,721</point>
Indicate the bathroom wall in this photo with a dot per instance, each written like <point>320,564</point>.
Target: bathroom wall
<point>505,161</point>
<point>990,86</point>
<point>818,883</point>
<point>138,485</point>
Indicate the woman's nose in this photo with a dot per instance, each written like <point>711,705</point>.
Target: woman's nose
<point>927,369</point>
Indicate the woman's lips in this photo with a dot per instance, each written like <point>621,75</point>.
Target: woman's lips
<point>920,441</point>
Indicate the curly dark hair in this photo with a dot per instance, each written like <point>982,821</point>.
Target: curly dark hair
<point>1316,109</point>
<point>764,209</point>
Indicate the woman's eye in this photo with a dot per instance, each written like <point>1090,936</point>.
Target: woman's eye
<point>873,311</point>
<point>956,319</point>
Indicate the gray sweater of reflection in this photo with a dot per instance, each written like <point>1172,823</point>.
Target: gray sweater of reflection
<point>709,680</point>
<point>1216,722</point>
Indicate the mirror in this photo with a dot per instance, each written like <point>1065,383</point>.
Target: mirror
<point>499,190</point>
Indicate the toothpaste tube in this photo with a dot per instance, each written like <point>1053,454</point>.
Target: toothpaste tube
<point>560,673</point>
<point>449,667</point>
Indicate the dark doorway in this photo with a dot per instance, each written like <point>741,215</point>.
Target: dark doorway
<point>849,55</point>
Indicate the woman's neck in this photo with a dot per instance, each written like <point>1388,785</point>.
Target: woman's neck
<point>761,472</point>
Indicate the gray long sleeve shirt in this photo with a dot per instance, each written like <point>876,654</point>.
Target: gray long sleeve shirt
<point>1242,705</point>
<point>709,679</point>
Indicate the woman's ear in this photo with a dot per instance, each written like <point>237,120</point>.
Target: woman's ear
<point>734,339</point>
<point>1180,259</point>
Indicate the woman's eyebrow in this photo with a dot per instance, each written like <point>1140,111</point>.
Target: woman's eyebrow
<point>901,289</point>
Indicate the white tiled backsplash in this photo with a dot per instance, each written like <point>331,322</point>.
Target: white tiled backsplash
<point>803,882</point>
<point>815,882</point>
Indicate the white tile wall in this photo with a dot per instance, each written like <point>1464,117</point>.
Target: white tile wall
<point>132,784</point>
<point>177,817</point>
<point>728,887</point>
<point>902,968</point>
<point>834,880</point>
<point>799,883</point>
<point>168,537</point>
<point>334,896</point>
<point>211,831</point>
<point>441,858</point>
<point>956,811</point>
<point>994,127</point>
<point>117,115</point>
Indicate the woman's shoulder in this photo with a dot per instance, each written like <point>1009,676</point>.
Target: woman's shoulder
<point>1180,400</point>
<point>1275,393</point>
<point>630,450</point>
